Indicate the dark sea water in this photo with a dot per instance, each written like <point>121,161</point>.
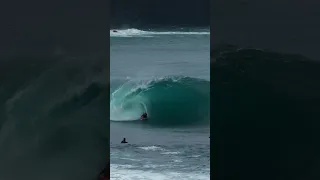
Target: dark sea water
<point>52,117</point>
<point>165,73</point>
<point>265,115</point>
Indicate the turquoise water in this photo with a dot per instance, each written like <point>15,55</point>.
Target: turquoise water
<point>165,73</point>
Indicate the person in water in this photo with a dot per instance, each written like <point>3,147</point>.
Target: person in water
<point>124,140</point>
<point>144,116</point>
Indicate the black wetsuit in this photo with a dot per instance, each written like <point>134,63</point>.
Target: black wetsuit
<point>144,115</point>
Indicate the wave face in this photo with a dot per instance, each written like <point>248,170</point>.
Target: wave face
<point>266,105</point>
<point>132,32</point>
<point>169,101</point>
<point>53,121</point>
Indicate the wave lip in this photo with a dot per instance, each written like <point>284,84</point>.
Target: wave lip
<point>132,32</point>
<point>169,101</point>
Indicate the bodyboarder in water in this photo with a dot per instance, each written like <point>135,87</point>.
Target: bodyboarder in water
<point>144,116</point>
<point>124,140</point>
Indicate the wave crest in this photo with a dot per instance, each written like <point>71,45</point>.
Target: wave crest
<point>132,32</point>
<point>168,101</point>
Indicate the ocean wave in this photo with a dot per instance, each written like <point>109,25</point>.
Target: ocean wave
<point>169,101</point>
<point>132,32</point>
<point>120,173</point>
<point>266,104</point>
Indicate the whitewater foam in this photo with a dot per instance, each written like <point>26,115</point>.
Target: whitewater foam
<point>132,32</point>
<point>152,148</point>
<point>122,173</point>
<point>170,153</point>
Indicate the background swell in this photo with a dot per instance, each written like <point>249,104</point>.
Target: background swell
<point>53,117</point>
<point>265,112</point>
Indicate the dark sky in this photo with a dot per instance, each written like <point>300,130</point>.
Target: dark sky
<point>289,26</point>
<point>35,26</point>
<point>151,13</point>
<point>280,25</point>
<point>40,26</point>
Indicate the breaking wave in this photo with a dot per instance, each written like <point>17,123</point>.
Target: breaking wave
<point>168,101</point>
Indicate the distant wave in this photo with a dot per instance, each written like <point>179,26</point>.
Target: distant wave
<point>265,106</point>
<point>256,76</point>
<point>142,33</point>
<point>169,101</point>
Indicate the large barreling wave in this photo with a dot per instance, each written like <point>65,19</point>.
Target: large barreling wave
<point>169,101</point>
<point>53,118</point>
